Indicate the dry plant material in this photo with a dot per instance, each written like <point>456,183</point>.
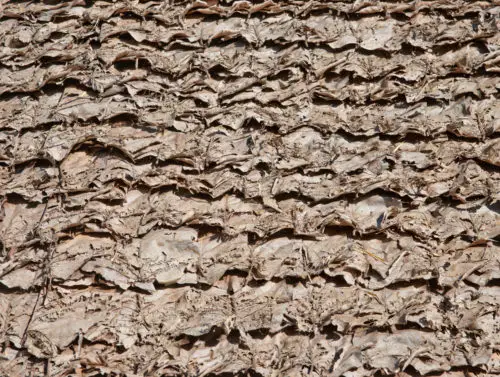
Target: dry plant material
<point>251,188</point>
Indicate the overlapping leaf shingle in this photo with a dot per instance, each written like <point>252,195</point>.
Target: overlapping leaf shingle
<point>207,188</point>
